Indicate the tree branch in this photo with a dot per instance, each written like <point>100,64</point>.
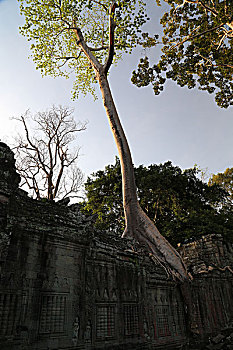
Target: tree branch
<point>197,2</point>
<point>44,156</point>
<point>112,26</point>
<point>58,179</point>
<point>33,146</point>
<point>196,36</point>
<point>221,41</point>
<point>66,59</point>
<point>100,3</point>
<point>213,11</point>
<point>86,50</point>
<point>227,65</point>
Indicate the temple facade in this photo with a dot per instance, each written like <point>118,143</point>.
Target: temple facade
<point>64,285</point>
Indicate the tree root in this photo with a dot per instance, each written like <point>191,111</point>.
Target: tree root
<point>145,232</point>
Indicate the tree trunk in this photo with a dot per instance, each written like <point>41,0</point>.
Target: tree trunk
<point>138,225</point>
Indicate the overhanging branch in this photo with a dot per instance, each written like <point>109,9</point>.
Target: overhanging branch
<point>189,37</point>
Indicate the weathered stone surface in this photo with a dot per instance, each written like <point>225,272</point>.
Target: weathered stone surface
<point>209,347</point>
<point>218,339</point>
<point>209,253</point>
<point>222,340</point>
<point>64,285</point>
<point>9,179</point>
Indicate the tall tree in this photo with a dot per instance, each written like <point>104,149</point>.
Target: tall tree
<point>197,49</point>
<point>182,206</point>
<point>45,161</point>
<point>86,37</point>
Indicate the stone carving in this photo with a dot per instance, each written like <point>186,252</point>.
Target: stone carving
<point>88,331</point>
<point>106,294</point>
<point>23,333</point>
<point>76,327</point>
<point>63,283</point>
<point>55,283</point>
<point>145,330</point>
<point>15,282</point>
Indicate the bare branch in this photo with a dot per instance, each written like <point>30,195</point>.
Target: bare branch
<point>32,145</point>
<point>44,174</point>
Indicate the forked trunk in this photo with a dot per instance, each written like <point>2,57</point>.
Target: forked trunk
<point>138,225</point>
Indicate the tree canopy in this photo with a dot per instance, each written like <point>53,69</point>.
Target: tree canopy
<point>50,26</point>
<point>197,49</point>
<point>181,205</point>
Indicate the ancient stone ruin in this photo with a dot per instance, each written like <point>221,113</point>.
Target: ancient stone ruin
<point>64,285</point>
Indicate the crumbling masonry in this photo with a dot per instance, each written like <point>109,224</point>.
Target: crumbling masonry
<point>65,286</point>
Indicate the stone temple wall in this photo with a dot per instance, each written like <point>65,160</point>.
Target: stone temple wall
<point>210,261</point>
<point>65,286</point>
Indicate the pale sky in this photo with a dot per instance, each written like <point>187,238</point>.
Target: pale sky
<point>181,125</point>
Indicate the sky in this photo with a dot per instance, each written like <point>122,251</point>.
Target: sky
<point>180,125</point>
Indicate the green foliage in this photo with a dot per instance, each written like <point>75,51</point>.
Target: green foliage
<point>224,180</point>
<point>180,204</point>
<point>197,49</point>
<point>49,26</point>
<point>104,197</point>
